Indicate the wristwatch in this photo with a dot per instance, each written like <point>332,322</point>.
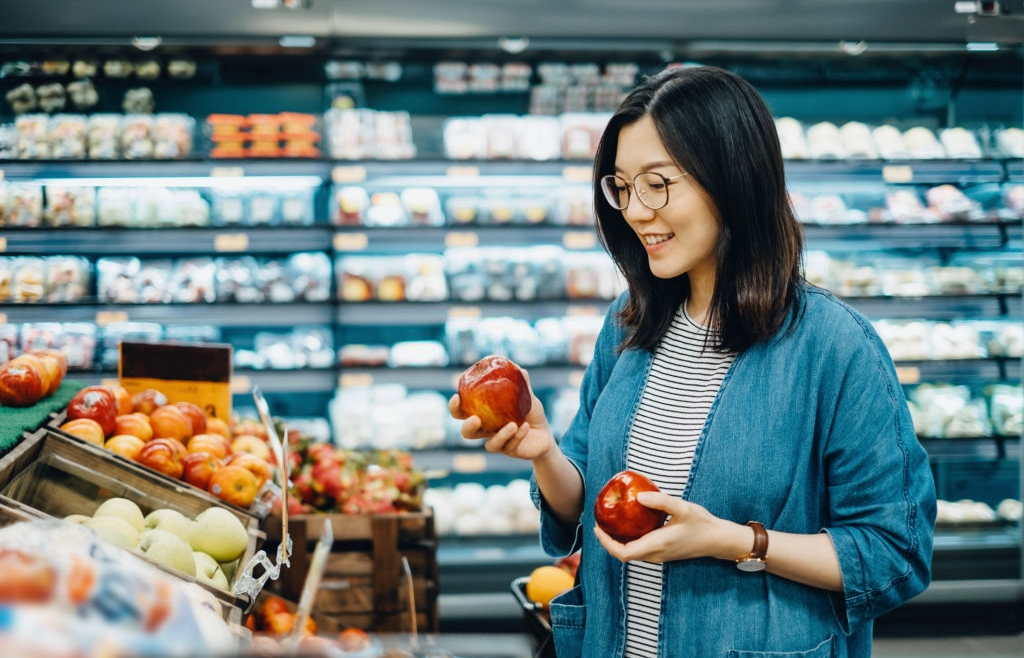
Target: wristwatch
<point>755,561</point>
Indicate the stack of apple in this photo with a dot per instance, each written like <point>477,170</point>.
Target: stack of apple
<point>32,376</point>
<point>273,621</point>
<point>177,439</point>
<point>326,478</point>
<point>206,548</point>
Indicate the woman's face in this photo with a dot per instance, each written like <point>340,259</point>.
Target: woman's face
<point>681,237</point>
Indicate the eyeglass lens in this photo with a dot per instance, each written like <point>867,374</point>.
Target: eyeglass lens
<point>651,188</point>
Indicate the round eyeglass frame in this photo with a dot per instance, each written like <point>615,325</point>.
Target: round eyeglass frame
<point>612,198</point>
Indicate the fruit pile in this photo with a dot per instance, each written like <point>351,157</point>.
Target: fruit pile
<point>273,621</point>
<point>177,439</point>
<point>206,548</point>
<point>330,479</point>
<point>32,376</point>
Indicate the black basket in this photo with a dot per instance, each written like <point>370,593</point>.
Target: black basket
<point>537,621</point>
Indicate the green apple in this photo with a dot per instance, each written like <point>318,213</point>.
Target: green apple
<point>208,571</point>
<point>170,520</point>
<point>230,568</point>
<point>114,529</point>
<point>219,533</point>
<point>124,509</point>
<point>168,549</point>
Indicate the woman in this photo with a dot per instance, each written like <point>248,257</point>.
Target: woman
<point>744,393</point>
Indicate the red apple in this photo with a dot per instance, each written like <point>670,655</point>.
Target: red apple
<point>495,390</point>
<point>618,512</point>
<point>570,563</point>
<point>195,414</point>
<point>353,639</point>
<point>199,467</point>
<point>98,403</point>
<point>148,400</point>
<point>21,384</point>
<point>125,403</point>
<point>255,464</point>
<point>164,456</point>
<point>234,484</point>
<point>56,365</point>
<point>170,422</point>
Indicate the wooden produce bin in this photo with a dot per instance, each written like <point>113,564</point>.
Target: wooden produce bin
<point>364,582</point>
<point>58,476</point>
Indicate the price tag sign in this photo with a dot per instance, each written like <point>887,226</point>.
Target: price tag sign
<point>462,172</point>
<point>588,311</point>
<point>908,374</point>
<point>355,380</point>
<point>351,241</point>
<point>231,242</point>
<point>104,318</point>
<point>579,240</point>
<point>227,172</point>
<point>3,318</point>
<point>348,174</point>
<point>898,173</point>
<point>3,244</point>
<point>577,174</point>
<point>469,462</point>
<point>240,384</point>
<point>464,312</point>
<point>461,239</point>
<point>1,174</point>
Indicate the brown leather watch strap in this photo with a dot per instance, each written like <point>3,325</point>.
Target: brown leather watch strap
<point>760,550</point>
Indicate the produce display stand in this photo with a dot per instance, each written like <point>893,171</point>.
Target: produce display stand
<point>364,582</point>
<point>58,476</point>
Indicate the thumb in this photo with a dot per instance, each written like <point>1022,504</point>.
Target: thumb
<point>658,500</point>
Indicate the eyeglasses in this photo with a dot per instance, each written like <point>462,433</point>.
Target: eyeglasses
<point>651,188</point>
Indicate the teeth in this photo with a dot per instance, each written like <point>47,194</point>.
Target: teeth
<point>655,239</point>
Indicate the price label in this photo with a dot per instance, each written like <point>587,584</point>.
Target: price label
<point>469,463</point>
<point>897,173</point>
<point>351,241</point>
<point>227,172</point>
<point>462,172</point>
<point>588,311</point>
<point>3,244</point>
<point>241,384</point>
<point>355,380</point>
<point>577,174</point>
<point>461,239</point>
<point>576,378</point>
<point>1,174</point>
<point>104,318</point>
<point>110,381</point>
<point>233,242</point>
<point>348,174</point>
<point>579,240</point>
<point>464,312</point>
<point>3,318</point>
<point>908,374</point>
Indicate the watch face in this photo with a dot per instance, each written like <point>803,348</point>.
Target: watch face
<point>750,565</point>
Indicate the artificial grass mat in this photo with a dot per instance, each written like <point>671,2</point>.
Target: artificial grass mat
<point>14,421</point>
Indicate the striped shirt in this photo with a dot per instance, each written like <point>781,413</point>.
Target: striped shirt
<point>683,382</point>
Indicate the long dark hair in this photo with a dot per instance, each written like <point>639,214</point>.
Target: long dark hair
<point>717,127</point>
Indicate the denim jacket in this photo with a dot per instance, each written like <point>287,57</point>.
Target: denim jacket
<point>810,432</point>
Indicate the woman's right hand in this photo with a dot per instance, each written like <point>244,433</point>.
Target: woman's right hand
<point>531,440</point>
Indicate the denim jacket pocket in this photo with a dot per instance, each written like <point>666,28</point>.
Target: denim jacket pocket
<point>568,620</point>
<point>826,649</point>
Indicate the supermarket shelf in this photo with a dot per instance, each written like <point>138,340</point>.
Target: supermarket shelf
<point>16,170</point>
<point>445,379</point>
<point>359,240</point>
<point>354,314</point>
<point>225,315</point>
<point>243,381</point>
<point>986,448</point>
<point>468,461</point>
<point>925,172</point>
<point>937,307</point>
<point>104,241</point>
<point>984,370</point>
<point>958,235</point>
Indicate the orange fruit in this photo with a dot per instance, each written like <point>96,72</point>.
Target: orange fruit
<point>547,582</point>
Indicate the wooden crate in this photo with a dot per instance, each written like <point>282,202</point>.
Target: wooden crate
<point>364,582</point>
<point>57,476</point>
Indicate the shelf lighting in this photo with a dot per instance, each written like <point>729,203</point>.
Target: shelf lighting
<point>981,47</point>
<point>220,182</point>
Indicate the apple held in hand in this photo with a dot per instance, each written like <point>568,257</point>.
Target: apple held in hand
<point>618,512</point>
<point>495,390</point>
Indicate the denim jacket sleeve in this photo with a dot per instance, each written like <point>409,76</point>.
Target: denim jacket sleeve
<point>557,539</point>
<point>880,486</point>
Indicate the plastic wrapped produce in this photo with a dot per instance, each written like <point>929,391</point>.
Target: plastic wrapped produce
<point>23,206</point>
<point>1006,408</point>
<point>193,281</point>
<point>310,276</point>
<point>137,137</point>
<point>69,205</point>
<point>348,205</point>
<point>889,143</point>
<point>297,207</point>
<point>792,139</point>
<point>1010,142</point>
<point>951,204</point>
<point>960,143</point>
<point>28,280</point>
<point>115,280</point>
<point>103,136</point>
<point>907,340</point>
<point>923,144</point>
<point>825,142</point>
<point>67,278</point>
<point>857,140</point>
<point>67,136</point>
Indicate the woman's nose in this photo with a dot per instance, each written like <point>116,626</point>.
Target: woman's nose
<point>635,210</point>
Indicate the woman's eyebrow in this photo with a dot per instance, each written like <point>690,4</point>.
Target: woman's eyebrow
<point>652,165</point>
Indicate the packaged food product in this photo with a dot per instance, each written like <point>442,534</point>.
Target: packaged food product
<point>923,144</point>
<point>792,139</point>
<point>349,205</point>
<point>889,142</point>
<point>825,142</point>
<point>960,143</point>
<point>69,205</point>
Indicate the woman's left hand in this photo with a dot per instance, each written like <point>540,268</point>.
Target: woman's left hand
<point>690,532</point>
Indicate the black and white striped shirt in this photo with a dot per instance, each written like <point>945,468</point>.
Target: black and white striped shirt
<point>680,389</point>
